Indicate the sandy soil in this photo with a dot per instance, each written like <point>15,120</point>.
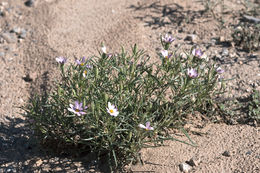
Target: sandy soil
<point>74,28</point>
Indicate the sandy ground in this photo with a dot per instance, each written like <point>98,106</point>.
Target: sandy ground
<point>75,28</point>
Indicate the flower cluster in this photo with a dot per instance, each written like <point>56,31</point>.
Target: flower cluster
<point>126,101</point>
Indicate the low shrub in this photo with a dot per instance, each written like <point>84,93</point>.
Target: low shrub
<point>116,104</point>
<point>247,36</point>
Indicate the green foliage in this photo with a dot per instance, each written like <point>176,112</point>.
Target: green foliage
<point>254,106</point>
<point>161,93</point>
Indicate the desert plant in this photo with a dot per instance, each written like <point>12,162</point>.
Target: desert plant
<point>254,106</point>
<point>247,36</point>
<point>251,8</point>
<point>115,104</point>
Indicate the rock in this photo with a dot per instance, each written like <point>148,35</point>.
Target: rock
<point>192,37</point>
<point>20,40</point>
<point>16,30</point>
<point>2,40</point>
<point>221,39</point>
<point>233,55</point>
<point>10,170</point>
<point>194,161</point>
<point>226,153</point>
<point>39,162</point>
<point>213,41</point>
<point>27,78</point>
<point>4,3</point>
<point>30,3</point>
<point>184,167</point>
<point>251,19</point>
<point>249,153</point>
<point>9,37</point>
<point>20,32</point>
<point>23,34</point>
<point>2,54</point>
<point>1,10</point>
<point>225,52</point>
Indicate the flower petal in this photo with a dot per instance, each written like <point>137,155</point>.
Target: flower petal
<point>150,128</point>
<point>71,110</point>
<point>147,124</point>
<point>142,126</point>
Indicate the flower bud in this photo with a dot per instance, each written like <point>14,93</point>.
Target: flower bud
<point>106,97</point>
<point>96,72</point>
<point>93,107</point>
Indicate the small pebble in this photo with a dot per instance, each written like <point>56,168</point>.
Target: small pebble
<point>192,38</point>
<point>9,37</point>
<point>4,3</point>
<point>249,153</point>
<point>221,39</point>
<point>2,54</point>
<point>225,52</point>
<point>194,161</point>
<point>184,167</point>
<point>22,34</point>
<point>30,3</point>
<point>16,30</point>
<point>39,162</point>
<point>226,153</point>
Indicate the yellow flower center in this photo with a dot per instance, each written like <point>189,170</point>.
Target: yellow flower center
<point>77,110</point>
<point>85,72</point>
<point>82,64</point>
<point>111,111</point>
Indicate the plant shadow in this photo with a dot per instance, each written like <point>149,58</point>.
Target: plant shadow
<point>162,15</point>
<point>21,152</point>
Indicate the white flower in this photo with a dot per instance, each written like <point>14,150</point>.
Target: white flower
<point>104,49</point>
<point>61,60</point>
<point>165,54</point>
<point>112,110</point>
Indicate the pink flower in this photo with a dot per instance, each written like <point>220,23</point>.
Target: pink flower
<point>146,126</point>
<point>197,53</point>
<point>219,70</point>
<point>81,62</point>
<point>61,60</point>
<point>192,73</point>
<point>167,39</point>
<point>77,108</point>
